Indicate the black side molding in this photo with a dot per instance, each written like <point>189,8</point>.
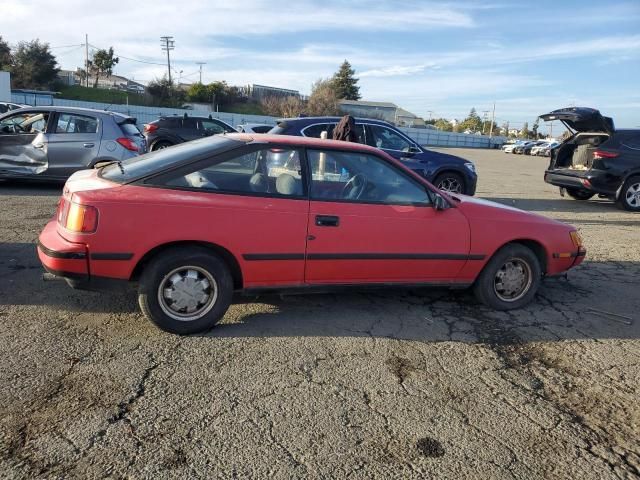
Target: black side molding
<point>66,255</point>
<point>111,256</point>
<point>360,256</point>
<point>250,257</point>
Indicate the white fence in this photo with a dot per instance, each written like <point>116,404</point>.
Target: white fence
<point>144,115</point>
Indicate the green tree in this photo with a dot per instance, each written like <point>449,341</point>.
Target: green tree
<point>472,122</point>
<point>345,83</point>
<point>444,125</point>
<point>34,66</point>
<point>198,92</point>
<point>5,55</point>
<point>164,92</point>
<point>102,63</point>
<point>323,99</point>
<point>524,132</point>
<point>535,127</point>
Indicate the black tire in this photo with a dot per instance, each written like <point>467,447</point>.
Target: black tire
<point>449,179</point>
<point>159,145</point>
<point>579,194</point>
<point>629,198</point>
<point>157,276</point>
<point>494,294</point>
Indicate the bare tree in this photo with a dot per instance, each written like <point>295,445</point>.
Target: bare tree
<point>278,106</point>
<point>323,99</point>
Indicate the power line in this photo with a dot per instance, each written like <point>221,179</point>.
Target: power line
<point>129,58</point>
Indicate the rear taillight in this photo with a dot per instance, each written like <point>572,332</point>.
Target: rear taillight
<point>128,143</point>
<point>150,127</point>
<point>598,154</point>
<point>77,218</point>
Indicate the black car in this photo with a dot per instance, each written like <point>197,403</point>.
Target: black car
<point>447,172</point>
<point>527,148</point>
<point>167,131</point>
<point>596,159</point>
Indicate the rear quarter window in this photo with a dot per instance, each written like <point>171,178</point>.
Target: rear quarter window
<point>130,129</point>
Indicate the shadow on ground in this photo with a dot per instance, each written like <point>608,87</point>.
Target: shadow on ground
<point>562,309</point>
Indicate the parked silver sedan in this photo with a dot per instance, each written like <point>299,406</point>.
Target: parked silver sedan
<point>51,143</point>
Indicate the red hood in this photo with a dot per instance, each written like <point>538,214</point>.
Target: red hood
<point>480,208</point>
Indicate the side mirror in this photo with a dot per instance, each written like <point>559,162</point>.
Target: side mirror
<point>439,202</point>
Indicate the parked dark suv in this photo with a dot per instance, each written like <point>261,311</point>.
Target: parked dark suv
<point>596,158</point>
<point>447,172</point>
<point>167,131</point>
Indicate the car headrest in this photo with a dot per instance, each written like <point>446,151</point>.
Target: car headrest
<point>258,183</point>
<point>287,185</point>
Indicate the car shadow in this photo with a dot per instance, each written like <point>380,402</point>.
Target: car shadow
<point>570,309</point>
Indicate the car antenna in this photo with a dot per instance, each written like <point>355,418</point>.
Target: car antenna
<point>185,115</point>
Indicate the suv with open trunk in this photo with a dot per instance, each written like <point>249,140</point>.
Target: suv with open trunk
<point>596,158</point>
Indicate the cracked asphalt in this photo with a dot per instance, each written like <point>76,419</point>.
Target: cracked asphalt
<point>375,384</point>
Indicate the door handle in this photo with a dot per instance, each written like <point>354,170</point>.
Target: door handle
<point>38,145</point>
<point>88,145</point>
<point>327,221</point>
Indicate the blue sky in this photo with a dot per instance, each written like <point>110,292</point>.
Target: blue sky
<point>432,58</point>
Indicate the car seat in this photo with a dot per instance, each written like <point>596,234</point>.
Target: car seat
<point>288,185</point>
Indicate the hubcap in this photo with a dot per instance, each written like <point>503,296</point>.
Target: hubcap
<point>450,184</point>
<point>512,280</point>
<point>633,195</point>
<point>187,293</point>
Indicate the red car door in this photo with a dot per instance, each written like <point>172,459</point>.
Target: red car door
<point>370,222</point>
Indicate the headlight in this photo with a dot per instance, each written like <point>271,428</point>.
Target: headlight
<point>470,166</point>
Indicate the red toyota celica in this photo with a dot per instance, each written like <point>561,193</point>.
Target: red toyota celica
<point>192,223</point>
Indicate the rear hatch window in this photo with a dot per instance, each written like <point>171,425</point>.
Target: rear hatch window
<point>162,160</point>
<point>130,129</point>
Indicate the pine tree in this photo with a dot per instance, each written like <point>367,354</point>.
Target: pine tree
<point>345,84</point>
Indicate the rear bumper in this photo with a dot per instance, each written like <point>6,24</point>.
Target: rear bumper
<point>70,261</point>
<point>596,181</point>
<point>61,257</point>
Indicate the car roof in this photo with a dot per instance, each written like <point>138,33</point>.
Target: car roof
<point>332,119</point>
<point>308,142</point>
<point>54,108</point>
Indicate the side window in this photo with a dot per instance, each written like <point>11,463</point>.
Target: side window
<point>31,122</point>
<point>631,141</point>
<point>68,123</point>
<point>350,176</point>
<point>316,130</point>
<point>211,127</point>
<point>190,123</point>
<point>270,171</point>
<point>386,138</point>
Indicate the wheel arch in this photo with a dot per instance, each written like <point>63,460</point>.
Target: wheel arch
<point>534,245</point>
<point>223,253</point>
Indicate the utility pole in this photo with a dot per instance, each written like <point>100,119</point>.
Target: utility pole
<point>429,112</point>
<point>493,117</point>
<point>484,120</point>
<point>167,45</point>
<point>201,63</point>
<point>86,59</point>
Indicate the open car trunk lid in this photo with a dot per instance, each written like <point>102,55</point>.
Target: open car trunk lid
<point>581,119</point>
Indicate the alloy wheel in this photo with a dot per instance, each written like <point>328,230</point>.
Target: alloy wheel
<point>450,184</point>
<point>632,195</point>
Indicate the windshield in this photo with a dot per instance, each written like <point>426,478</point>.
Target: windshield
<point>161,160</point>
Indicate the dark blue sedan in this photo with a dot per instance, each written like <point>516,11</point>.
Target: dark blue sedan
<point>447,172</point>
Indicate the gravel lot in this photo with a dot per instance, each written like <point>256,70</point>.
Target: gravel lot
<point>388,384</point>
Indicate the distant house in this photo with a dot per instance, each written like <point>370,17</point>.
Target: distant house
<point>68,77</point>
<point>116,82</point>
<point>258,92</point>
<point>386,111</point>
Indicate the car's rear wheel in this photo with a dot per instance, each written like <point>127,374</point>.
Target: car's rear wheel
<point>629,198</point>
<point>185,290</point>
<point>579,194</point>
<point>450,182</point>
<point>510,279</point>
<point>161,145</point>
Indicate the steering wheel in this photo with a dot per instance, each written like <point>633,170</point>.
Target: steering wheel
<point>355,187</point>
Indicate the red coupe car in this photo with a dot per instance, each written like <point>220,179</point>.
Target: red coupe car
<point>192,223</point>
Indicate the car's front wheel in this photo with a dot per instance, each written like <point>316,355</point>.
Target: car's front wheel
<point>510,279</point>
<point>579,194</point>
<point>629,198</point>
<point>450,182</point>
<point>185,291</point>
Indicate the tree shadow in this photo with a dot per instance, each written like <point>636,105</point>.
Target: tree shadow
<point>595,205</point>
<point>561,311</point>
